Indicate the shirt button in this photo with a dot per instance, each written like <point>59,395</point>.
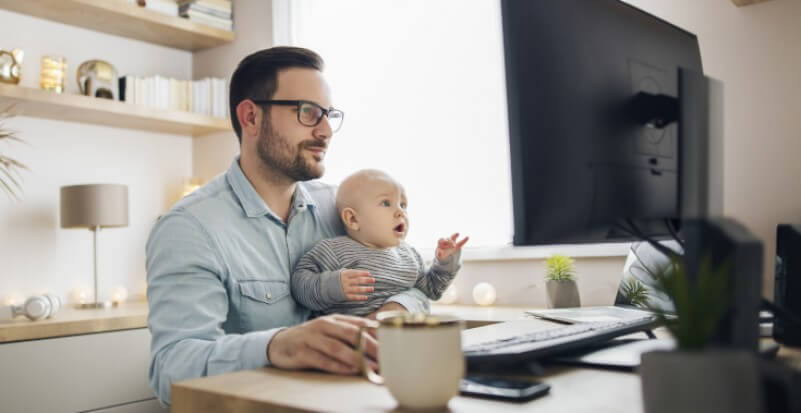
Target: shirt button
<point>268,296</point>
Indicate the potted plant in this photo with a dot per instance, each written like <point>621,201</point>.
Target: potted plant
<point>9,167</point>
<point>560,282</point>
<point>696,376</point>
<point>635,293</point>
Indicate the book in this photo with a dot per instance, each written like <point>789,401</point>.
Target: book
<point>167,7</point>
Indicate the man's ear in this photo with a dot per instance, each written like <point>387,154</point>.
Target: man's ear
<point>246,113</point>
<point>349,219</point>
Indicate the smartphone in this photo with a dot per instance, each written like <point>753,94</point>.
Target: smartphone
<point>502,388</point>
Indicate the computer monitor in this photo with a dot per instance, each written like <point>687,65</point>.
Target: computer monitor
<point>584,157</point>
<point>614,134</point>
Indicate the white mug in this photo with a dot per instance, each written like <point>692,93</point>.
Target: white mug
<point>420,358</point>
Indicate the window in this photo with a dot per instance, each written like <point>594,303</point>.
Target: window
<point>422,85</point>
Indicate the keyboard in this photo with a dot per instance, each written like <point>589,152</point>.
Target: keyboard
<point>543,343</point>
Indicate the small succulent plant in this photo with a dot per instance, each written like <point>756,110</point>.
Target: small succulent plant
<point>635,293</point>
<point>559,268</point>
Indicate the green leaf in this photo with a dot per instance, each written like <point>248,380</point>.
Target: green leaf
<point>635,293</point>
<point>559,268</point>
<point>699,305</point>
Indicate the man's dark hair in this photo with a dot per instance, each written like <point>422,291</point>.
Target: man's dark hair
<point>256,77</point>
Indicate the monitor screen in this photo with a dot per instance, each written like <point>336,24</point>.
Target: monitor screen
<point>581,163</point>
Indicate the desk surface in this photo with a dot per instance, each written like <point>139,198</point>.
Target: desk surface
<point>268,389</point>
<point>71,321</point>
<point>572,389</point>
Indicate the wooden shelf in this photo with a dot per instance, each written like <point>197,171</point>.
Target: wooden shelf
<point>71,321</point>
<point>740,3</point>
<point>124,19</point>
<point>25,101</point>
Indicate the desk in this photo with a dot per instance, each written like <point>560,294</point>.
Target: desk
<point>269,389</point>
<point>572,389</point>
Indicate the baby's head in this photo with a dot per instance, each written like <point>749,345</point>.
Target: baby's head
<point>372,206</point>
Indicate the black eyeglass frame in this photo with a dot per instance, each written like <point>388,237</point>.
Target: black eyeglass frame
<point>298,103</point>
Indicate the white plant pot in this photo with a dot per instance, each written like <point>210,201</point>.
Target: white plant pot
<point>562,294</point>
<point>700,381</point>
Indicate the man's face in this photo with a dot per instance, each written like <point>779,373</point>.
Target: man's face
<point>285,145</point>
<point>381,212</point>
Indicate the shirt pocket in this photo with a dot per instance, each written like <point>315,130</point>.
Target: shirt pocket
<point>267,292</point>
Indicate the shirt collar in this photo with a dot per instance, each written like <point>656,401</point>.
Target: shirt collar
<point>251,201</point>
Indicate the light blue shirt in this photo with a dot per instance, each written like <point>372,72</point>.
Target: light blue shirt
<point>218,276</point>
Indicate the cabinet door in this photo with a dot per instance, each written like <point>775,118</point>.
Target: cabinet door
<point>76,373</point>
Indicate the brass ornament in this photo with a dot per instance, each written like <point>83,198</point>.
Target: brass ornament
<point>11,66</point>
<point>98,78</point>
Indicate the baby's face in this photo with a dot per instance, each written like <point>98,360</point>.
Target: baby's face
<point>381,212</point>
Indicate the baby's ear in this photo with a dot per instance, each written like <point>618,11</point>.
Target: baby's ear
<point>349,219</point>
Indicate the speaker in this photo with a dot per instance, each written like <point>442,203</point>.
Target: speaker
<point>35,308</point>
<point>787,285</point>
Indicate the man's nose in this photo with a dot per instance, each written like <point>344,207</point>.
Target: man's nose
<point>323,129</point>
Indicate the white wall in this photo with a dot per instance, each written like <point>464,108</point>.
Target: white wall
<point>755,51</point>
<point>35,253</point>
<point>213,153</point>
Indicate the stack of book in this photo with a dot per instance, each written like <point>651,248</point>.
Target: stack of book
<point>207,96</point>
<point>216,13</point>
<point>168,7</point>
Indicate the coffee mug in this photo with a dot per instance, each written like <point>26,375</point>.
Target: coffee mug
<point>420,357</point>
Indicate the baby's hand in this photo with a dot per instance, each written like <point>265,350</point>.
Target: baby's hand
<point>353,283</point>
<point>449,246</point>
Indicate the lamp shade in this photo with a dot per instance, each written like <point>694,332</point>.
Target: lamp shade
<point>95,205</point>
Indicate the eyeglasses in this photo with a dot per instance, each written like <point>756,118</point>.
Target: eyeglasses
<point>309,113</point>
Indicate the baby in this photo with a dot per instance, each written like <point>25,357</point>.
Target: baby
<point>355,274</point>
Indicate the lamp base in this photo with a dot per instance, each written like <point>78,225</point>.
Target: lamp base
<point>100,304</point>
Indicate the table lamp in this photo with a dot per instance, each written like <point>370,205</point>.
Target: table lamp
<point>94,206</point>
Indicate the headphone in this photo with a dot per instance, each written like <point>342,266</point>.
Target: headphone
<point>35,308</point>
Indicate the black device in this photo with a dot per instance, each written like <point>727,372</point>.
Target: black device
<point>502,388</point>
<point>787,287</point>
<point>614,135</point>
<point>592,92</point>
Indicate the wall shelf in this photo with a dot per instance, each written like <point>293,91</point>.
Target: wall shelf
<point>25,101</point>
<point>740,3</point>
<point>124,19</point>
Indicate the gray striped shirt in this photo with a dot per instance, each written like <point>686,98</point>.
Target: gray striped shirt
<point>315,282</point>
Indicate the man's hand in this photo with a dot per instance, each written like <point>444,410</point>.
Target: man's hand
<point>449,246</point>
<point>355,283</point>
<point>325,343</point>
<point>390,306</point>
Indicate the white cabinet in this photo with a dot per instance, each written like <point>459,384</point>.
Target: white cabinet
<point>102,372</point>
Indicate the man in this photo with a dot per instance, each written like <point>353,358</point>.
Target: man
<point>219,263</point>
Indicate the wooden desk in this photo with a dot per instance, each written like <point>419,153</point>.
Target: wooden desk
<point>270,389</point>
<point>572,389</point>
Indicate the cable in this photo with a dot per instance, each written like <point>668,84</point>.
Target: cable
<point>634,231</point>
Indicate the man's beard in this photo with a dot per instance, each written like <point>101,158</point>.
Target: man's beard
<point>277,154</point>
